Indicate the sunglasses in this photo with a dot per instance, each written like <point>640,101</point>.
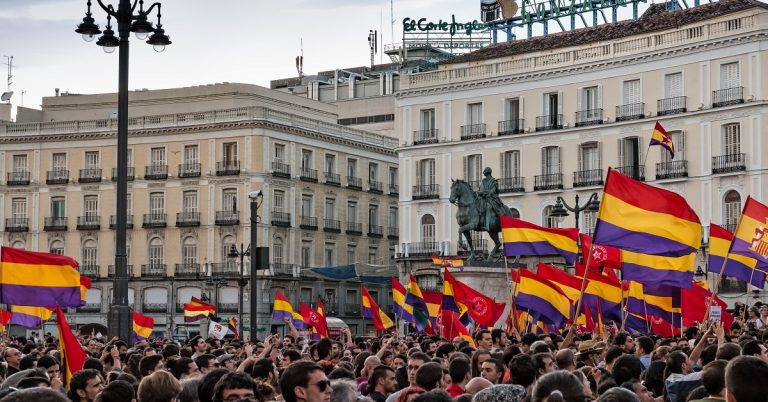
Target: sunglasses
<point>322,385</point>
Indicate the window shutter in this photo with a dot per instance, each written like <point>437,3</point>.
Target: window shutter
<point>640,158</point>
<point>557,159</point>
<point>680,151</point>
<point>599,155</point>
<point>503,164</point>
<point>431,165</point>
<point>559,103</point>
<point>544,160</point>
<point>465,166</point>
<point>580,157</point>
<point>581,101</point>
<point>419,173</point>
<point>621,152</point>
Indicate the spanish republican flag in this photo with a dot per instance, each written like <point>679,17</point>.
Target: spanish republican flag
<point>85,284</point>
<point>750,239</point>
<point>737,266</point>
<point>30,317</point>
<point>656,230</point>
<point>455,262</point>
<point>400,308</point>
<point>525,238</point>
<point>662,138</point>
<point>72,354</point>
<point>30,278</point>
<point>371,310</point>
<point>196,310</point>
<point>142,326</point>
<point>282,309</point>
<point>542,299</point>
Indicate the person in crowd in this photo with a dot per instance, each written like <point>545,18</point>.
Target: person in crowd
<point>304,381</point>
<point>160,386</point>
<point>565,359</point>
<point>459,369</point>
<point>558,386</point>
<point>381,384</point>
<point>12,358</point>
<point>117,391</point>
<point>430,376</point>
<point>744,380</point>
<point>235,386</point>
<point>85,385</point>
<point>492,370</point>
<point>644,346</point>
<point>206,362</point>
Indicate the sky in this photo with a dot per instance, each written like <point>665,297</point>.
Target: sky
<point>248,41</point>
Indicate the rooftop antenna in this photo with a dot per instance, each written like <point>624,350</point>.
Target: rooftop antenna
<point>373,40</point>
<point>300,61</point>
<point>392,18</point>
<point>6,96</point>
<point>23,91</point>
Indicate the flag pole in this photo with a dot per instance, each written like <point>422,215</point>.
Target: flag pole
<point>583,283</point>
<point>512,285</point>
<point>647,323</point>
<point>746,301</point>
<point>722,269</point>
<point>623,300</point>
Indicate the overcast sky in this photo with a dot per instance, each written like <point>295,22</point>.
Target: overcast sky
<point>250,41</point>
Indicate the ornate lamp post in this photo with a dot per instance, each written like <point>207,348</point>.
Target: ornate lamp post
<point>561,208</point>
<point>120,319</point>
<point>257,198</point>
<point>233,253</point>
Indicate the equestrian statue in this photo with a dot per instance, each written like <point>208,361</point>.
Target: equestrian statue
<point>479,211</point>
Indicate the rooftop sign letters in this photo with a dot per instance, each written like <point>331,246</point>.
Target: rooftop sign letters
<point>452,27</point>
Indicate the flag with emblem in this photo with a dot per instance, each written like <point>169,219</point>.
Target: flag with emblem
<point>662,138</point>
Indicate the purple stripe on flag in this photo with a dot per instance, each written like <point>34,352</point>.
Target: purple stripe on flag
<point>736,269</point>
<point>641,273</point>
<point>40,296</point>
<point>638,242</point>
<point>634,323</point>
<point>548,312</point>
<point>742,247</point>
<point>609,310</point>
<point>537,248</point>
<point>400,312</point>
<point>25,320</point>
<point>641,307</point>
<point>280,315</point>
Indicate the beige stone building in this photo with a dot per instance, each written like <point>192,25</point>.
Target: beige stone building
<point>330,196</point>
<point>551,114</point>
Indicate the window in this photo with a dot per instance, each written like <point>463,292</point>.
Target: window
<point>19,208</point>
<point>306,159</point>
<point>156,204</point>
<point>278,201</point>
<point>157,156</point>
<point>510,164</point>
<point>230,151</point>
<point>678,140</point>
<point>548,220</point>
<point>58,207</point>
<point>729,75</point>
<point>551,106</point>
<point>155,254</point>
<point>550,160</point>
<point>90,205</point>
<point>589,221</point>
<point>373,214</point>
<point>59,162</point>
<point>352,297</point>
<point>330,208</point>
<point>89,253</point>
<point>92,160</point>
<point>19,163</point>
<point>328,257</point>
<point>732,139</point>
<point>352,167</point>
<point>330,163</point>
<point>372,255</point>
<point>732,210</point>
<point>425,172</point>
<point>673,85</point>
<point>279,153</point>
<point>512,109</point>
<point>474,113</point>
<point>629,152</point>
<point>191,154</point>
<point>129,203</point>
<point>189,201</point>
<point>373,171</point>
<point>57,247</point>
<point>130,157</point>
<point>351,254</point>
<point>392,218</point>
<point>306,253</point>
<point>427,229</point>
<point>589,101</point>
<point>189,251</point>
<point>631,92</point>
<point>229,199</point>
<point>352,211</point>
<point>226,244</point>
<point>392,176</point>
<point>473,168</point>
<point>428,120</point>
<point>306,205</point>
<point>589,156</point>
<point>277,251</point>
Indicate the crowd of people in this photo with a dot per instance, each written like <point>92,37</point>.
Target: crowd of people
<point>707,364</point>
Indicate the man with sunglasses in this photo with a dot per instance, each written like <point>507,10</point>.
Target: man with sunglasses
<point>305,381</point>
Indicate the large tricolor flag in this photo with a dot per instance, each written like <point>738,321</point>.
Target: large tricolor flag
<point>30,317</point>
<point>416,299</point>
<point>602,294</point>
<point>657,231</point>
<point>85,284</point>
<point>400,307</point>
<point>750,239</point>
<point>542,299</point>
<point>72,354</point>
<point>662,138</point>
<point>381,321</point>
<point>732,265</point>
<point>283,309</point>
<point>524,238</point>
<point>142,326</point>
<point>661,301</point>
<point>30,278</point>
<point>197,309</point>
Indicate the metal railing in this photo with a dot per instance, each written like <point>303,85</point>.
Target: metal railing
<point>187,270</point>
<point>423,249</point>
<point>16,224</point>
<point>308,175</point>
<point>227,307</point>
<point>187,219</point>
<point>57,177</point>
<point>281,169</point>
<point>729,163</point>
<point>636,172</point>
<point>585,178</point>
<point>111,270</point>
<point>472,131</point>
<point>375,187</point>
<point>18,178</point>
<point>375,231</point>
<point>510,127</point>
<point>153,270</point>
<point>552,181</point>
<point>728,96</point>
<point>88,222</point>
<point>354,182</point>
<point>227,218</point>
<point>156,172</point>
<point>190,170</point>
<point>308,222</point>
<point>154,307</point>
<point>549,122</point>
<point>426,192</point>
<point>589,117</point>
<point>280,269</point>
<point>229,269</point>
<point>351,308</point>
<point>671,170</point>
<point>281,219</point>
<point>56,223</point>
<point>332,179</point>
<point>354,228</point>
<point>90,308</point>
<point>632,111</point>
<point>113,222</point>
<point>512,185</point>
<point>131,173</point>
<point>229,168</point>
<point>332,226</point>
<point>428,136</point>
<point>393,232</point>
<point>394,189</point>
<point>155,221</point>
<point>89,176</point>
<point>89,270</point>
<point>675,105</point>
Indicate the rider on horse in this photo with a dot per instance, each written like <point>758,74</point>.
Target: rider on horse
<point>490,204</point>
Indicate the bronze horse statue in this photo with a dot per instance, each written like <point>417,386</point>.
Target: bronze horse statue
<point>471,217</point>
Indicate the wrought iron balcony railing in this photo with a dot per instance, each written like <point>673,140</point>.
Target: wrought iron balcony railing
<point>187,270</point>
<point>282,219</point>
<point>153,270</point>
<point>394,189</point>
<point>227,218</point>
<point>426,192</point>
<point>187,219</point>
<point>280,269</point>
<point>354,182</point>
<point>472,131</point>
<point>280,169</point>
<point>156,172</point>
<point>512,185</point>
<point>333,179</point>
<point>375,187</point>
<point>308,222</point>
<point>57,177</point>
<point>589,117</point>
<point>89,222</point>
<point>549,122</point>
<point>671,170</point>
<point>55,224</point>
<point>510,127</point>
<point>309,175</point>
<point>668,106</point>
<point>354,228</point>
<point>18,178</point>
<point>17,224</point>
<point>89,270</point>
<point>130,174</point>
<point>113,222</point>
<point>729,96</point>
<point>89,176</point>
<point>586,178</point>
<point>636,172</point>
<point>729,163</point>
<point>111,270</point>
<point>229,168</point>
<point>428,136</point>
<point>155,220</point>
<point>393,232</point>
<point>632,111</point>
<point>187,170</point>
<point>552,181</point>
<point>332,226</point>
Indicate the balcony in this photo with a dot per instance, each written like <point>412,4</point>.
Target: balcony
<point>89,308</point>
<point>225,269</point>
<point>333,179</point>
<point>332,226</point>
<point>481,246</point>
<point>187,219</point>
<point>111,271</point>
<point>188,170</point>
<point>156,172</point>
<point>549,122</point>
<point>393,233</point>
<point>355,183</point>
<point>227,218</point>
<point>725,164</point>
<point>375,187</point>
<point>18,179</point>
<point>282,219</point>
<point>229,168</point>
<point>16,224</point>
<point>553,181</point>
<point>89,222</point>
<point>351,309</point>
<point>187,270</point>
<point>131,173</point>
<point>55,224</point>
<point>426,192</point>
<point>394,189</point>
<point>153,270</point>
<point>589,117</point>
<point>421,137</point>
<point>423,249</point>
<point>632,111</point>
<point>154,307</point>
<point>512,185</point>
<point>636,172</point>
<point>671,170</point>
<point>57,177</point>
<point>308,175</point>
<point>279,269</point>
<point>510,127</point>
<point>668,106</point>
<point>227,307</point>
<point>89,176</point>
<point>308,222</point>
<point>113,222</point>
<point>280,169</point>
<point>375,231</point>
<point>155,221</point>
<point>726,97</point>
<point>472,131</point>
<point>89,270</point>
<point>587,178</point>
<point>354,228</point>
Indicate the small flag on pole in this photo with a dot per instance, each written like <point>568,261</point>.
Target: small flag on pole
<point>661,137</point>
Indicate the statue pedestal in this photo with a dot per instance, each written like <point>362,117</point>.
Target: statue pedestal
<point>489,279</point>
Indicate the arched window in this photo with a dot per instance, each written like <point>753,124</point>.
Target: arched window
<point>547,219</point>
<point>155,257</point>
<point>515,213</point>
<point>18,244</point>
<point>57,247</point>
<point>427,228</point>
<point>277,251</point>
<point>89,255</point>
<point>732,209</point>
<point>189,251</point>
<point>226,243</point>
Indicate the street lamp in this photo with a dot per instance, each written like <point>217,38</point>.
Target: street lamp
<point>120,319</point>
<point>257,198</point>
<point>217,283</point>
<point>233,253</point>
<point>561,208</point>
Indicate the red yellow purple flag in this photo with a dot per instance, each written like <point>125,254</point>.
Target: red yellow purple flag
<point>30,278</point>
<point>750,239</point>
<point>662,138</point>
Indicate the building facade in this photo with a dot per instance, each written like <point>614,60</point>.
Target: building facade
<point>329,197</point>
<point>551,114</point>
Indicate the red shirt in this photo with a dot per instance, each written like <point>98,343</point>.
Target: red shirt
<point>454,390</point>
